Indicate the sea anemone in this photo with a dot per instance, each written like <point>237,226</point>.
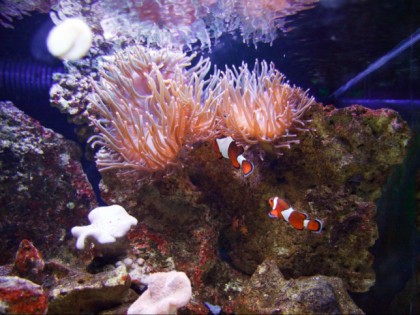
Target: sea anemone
<point>165,23</point>
<point>259,106</point>
<point>196,23</point>
<point>259,20</point>
<point>148,107</point>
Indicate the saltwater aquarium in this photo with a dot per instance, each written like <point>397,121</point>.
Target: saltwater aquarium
<point>209,157</point>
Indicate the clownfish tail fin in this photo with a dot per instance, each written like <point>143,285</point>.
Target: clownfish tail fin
<point>314,225</point>
<point>247,168</point>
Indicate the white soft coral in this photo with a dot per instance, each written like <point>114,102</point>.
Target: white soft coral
<point>107,231</point>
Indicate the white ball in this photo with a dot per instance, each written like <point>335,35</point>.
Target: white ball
<point>70,40</point>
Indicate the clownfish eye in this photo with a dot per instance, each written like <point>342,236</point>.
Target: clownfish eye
<point>271,201</point>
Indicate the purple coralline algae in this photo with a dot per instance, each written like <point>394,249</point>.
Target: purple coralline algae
<point>44,189</point>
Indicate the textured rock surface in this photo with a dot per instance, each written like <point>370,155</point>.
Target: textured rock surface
<point>21,296</point>
<point>28,262</point>
<point>80,292</point>
<point>213,224</point>
<point>64,288</point>
<point>268,292</point>
<point>44,190</point>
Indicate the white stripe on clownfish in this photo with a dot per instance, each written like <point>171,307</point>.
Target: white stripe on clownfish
<point>227,148</point>
<point>299,220</point>
<point>286,214</point>
<point>223,144</point>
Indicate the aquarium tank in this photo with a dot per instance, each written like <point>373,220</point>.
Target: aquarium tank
<point>209,157</point>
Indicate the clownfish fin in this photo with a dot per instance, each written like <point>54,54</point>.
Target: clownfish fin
<point>217,149</point>
<point>274,214</point>
<point>296,219</point>
<point>247,168</point>
<point>233,152</point>
<point>313,225</point>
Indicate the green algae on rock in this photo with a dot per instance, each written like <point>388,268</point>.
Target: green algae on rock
<point>268,292</point>
<point>44,189</point>
<point>214,223</point>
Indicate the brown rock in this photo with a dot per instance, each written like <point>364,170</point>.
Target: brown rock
<point>214,223</point>
<point>44,189</point>
<point>80,292</point>
<point>268,292</point>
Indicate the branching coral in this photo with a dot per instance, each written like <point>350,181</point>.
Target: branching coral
<point>148,107</point>
<point>259,106</point>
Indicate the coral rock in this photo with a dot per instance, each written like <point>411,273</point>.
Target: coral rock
<point>28,262</point>
<point>268,292</point>
<point>21,296</point>
<point>215,225</point>
<point>81,292</point>
<point>44,190</point>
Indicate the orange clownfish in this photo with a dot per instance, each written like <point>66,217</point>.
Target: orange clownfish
<point>227,148</point>
<point>281,209</point>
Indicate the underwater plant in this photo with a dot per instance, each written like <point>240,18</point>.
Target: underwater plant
<point>259,106</point>
<point>148,107</point>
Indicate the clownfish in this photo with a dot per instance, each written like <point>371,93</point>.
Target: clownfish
<point>281,209</point>
<point>227,148</point>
